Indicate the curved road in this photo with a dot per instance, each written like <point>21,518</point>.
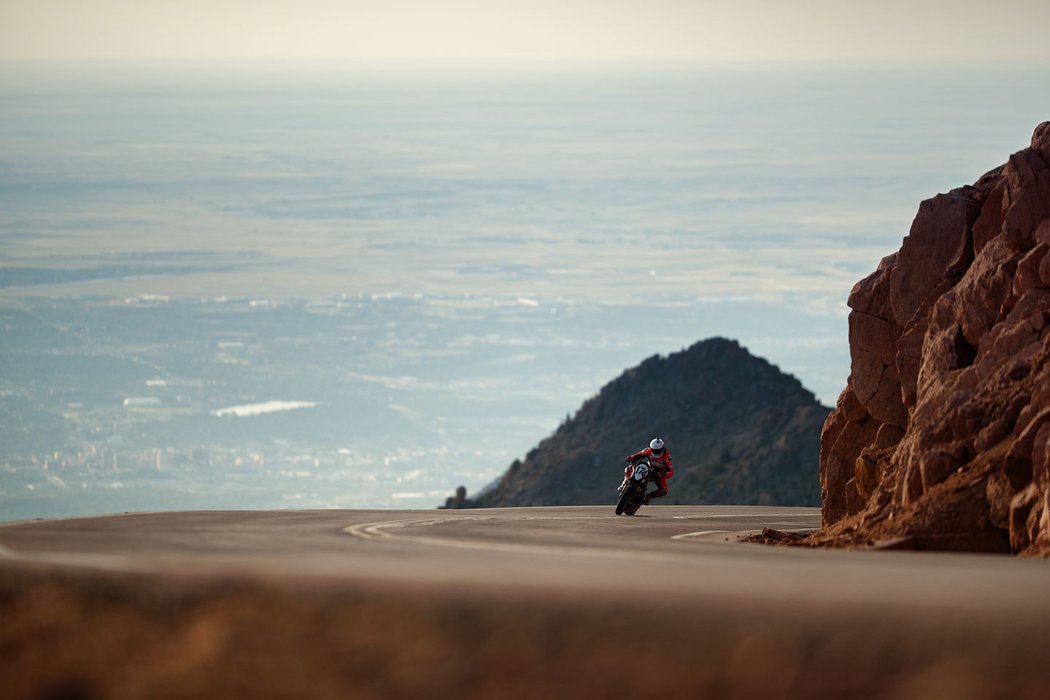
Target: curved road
<point>913,618</point>
<point>538,547</point>
<point>671,550</point>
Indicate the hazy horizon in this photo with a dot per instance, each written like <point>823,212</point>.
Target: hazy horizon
<point>426,270</point>
<point>822,30</point>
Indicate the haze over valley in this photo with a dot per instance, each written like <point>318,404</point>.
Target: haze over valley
<point>281,286</point>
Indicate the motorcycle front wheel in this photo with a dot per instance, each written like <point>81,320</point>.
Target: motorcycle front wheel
<point>630,500</point>
<point>625,499</point>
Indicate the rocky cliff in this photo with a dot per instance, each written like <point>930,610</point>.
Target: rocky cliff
<point>941,438</point>
<point>739,429</point>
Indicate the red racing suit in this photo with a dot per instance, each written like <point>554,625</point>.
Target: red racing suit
<point>661,464</point>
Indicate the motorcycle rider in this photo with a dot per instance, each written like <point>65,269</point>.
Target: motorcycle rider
<point>660,461</point>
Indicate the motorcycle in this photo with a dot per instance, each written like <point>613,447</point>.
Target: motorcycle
<point>636,479</point>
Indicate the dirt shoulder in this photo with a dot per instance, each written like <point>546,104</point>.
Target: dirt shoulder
<point>83,634</point>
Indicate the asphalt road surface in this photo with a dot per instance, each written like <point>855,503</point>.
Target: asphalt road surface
<point>576,588</point>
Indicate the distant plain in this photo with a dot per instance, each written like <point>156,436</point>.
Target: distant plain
<point>430,268</point>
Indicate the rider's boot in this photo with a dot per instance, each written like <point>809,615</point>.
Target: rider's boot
<point>653,495</point>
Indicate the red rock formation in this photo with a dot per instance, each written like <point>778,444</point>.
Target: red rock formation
<point>941,438</point>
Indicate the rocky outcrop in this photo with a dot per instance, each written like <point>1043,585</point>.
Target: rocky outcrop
<point>740,431</point>
<point>941,438</point>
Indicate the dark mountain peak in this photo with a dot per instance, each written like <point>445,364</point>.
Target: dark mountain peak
<point>716,366</point>
<point>741,431</point>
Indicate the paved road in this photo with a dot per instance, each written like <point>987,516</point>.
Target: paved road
<point>680,552</point>
<point>511,603</point>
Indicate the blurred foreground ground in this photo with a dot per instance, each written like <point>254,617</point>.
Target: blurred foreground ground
<point>163,612</point>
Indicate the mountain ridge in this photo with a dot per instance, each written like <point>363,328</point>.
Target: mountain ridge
<point>740,431</point>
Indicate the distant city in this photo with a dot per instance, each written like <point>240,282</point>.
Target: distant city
<point>148,403</point>
<point>219,402</point>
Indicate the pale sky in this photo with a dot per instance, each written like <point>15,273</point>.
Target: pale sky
<point>723,30</point>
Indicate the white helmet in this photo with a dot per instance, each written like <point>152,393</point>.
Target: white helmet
<point>657,446</point>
